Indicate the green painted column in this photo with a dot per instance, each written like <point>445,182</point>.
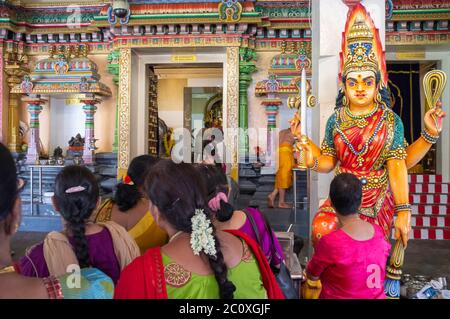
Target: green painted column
<point>113,68</point>
<point>247,58</point>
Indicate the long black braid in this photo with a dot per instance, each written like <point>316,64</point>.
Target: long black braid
<point>177,190</point>
<point>76,207</point>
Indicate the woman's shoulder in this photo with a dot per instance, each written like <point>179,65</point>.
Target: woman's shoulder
<point>228,239</point>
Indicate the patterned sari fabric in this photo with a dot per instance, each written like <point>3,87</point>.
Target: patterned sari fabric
<point>362,145</point>
<point>93,284</point>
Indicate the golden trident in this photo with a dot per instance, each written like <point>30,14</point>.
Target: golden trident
<point>433,84</point>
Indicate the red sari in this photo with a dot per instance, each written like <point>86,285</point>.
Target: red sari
<point>385,130</point>
<point>144,277</point>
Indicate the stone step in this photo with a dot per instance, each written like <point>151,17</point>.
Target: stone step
<point>264,188</point>
<point>247,187</point>
<point>106,159</point>
<point>267,179</point>
<point>107,170</point>
<point>247,173</point>
<point>262,196</point>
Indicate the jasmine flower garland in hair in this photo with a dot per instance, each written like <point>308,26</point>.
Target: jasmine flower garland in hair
<point>201,236</point>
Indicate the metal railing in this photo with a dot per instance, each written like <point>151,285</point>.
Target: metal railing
<point>40,197</point>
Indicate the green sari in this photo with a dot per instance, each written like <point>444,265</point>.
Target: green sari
<point>246,276</point>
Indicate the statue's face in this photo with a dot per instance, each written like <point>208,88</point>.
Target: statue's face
<point>360,88</point>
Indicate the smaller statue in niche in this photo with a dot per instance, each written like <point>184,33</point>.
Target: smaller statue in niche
<point>76,145</point>
<point>84,84</point>
<point>58,156</point>
<point>58,152</point>
<point>76,141</point>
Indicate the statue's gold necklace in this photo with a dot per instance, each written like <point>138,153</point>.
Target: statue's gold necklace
<point>358,120</point>
<point>365,147</point>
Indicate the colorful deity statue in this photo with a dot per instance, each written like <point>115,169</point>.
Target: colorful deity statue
<point>366,138</point>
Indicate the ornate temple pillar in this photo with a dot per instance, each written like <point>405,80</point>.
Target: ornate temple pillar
<point>272,106</point>
<point>247,58</point>
<point>15,68</point>
<point>89,109</point>
<point>34,106</point>
<point>231,112</point>
<point>114,69</point>
<point>124,111</point>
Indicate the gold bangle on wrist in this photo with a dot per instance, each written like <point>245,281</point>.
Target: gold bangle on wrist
<point>401,207</point>
<point>429,138</point>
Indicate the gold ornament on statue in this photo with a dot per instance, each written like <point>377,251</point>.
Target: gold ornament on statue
<point>293,102</point>
<point>301,162</point>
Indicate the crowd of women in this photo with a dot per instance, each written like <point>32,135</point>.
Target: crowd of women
<point>170,232</point>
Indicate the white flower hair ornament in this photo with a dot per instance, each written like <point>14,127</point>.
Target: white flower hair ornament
<point>202,238</point>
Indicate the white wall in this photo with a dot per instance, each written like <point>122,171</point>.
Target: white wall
<point>205,82</point>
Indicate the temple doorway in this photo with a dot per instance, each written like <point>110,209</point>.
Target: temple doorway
<point>183,96</point>
<point>408,101</point>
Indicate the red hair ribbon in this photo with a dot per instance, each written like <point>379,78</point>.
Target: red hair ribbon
<point>127,180</point>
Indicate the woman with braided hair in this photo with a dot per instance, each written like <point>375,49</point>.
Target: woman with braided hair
<point>106,246</point>
<point>226,217</point>
<point>94,284</point>
<point>129,207</point>
<point>198,262</point>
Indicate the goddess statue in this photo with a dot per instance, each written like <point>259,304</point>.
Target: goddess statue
<point>366,138</point>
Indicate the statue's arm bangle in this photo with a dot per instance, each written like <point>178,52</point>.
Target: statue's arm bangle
<point>401,207</point>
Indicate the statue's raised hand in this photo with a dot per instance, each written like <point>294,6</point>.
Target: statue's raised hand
<point>433,119</point>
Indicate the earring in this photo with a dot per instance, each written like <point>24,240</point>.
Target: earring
<point>16,228</point>
<point>344,101</point>
<point>379,98</point>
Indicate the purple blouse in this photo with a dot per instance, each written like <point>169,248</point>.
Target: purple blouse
<point>101,253</point>
<point>275,253</point>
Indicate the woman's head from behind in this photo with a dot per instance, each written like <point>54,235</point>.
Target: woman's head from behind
<point>129,192</point>
<point>346,194</point>
<point>176,192</point>
<point>76,197</point>
<point>217,190</point>
<point>9,194</point>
